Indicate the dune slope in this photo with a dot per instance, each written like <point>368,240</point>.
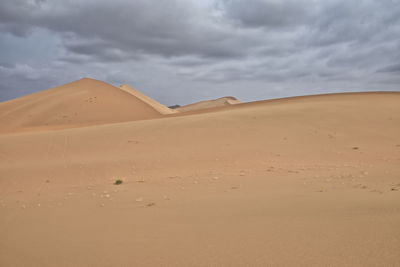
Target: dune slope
<point>312,181</point>
<point>83,102</point>
<point>153,103</point>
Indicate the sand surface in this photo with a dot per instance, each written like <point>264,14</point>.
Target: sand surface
<point>310,181</point>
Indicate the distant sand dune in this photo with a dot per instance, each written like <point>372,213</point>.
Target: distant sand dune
<point>220,102</point>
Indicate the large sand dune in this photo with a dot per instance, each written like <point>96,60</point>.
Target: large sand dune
<point>309,181</point>
<point>83,102</point>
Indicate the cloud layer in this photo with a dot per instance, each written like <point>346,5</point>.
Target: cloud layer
<point>179,51</point>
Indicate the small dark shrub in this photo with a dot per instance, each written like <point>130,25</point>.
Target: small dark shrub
<point>117,182</point>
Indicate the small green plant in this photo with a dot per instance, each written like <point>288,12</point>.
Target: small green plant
<point>118,181</point>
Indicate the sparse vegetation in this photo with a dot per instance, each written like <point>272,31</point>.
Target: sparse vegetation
<point>118,182</point>
<point>174,106</point>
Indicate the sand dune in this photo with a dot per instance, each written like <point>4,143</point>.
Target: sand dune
<point>220,102</point>
<point>83,102</point>
<point>308,181</point>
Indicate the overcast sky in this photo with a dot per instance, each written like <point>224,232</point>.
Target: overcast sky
<point>182,51</point>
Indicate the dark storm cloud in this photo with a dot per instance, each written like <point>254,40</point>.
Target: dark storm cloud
<point>168,28</point>
<point>269,14</point>
<point>241,45</point>
<point>391,68</point>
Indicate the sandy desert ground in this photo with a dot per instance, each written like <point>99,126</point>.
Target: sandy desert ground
<point>303,181</point>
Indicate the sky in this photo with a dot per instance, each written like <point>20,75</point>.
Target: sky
<point>183,51</point>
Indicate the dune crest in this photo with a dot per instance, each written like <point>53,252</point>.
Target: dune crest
<point>219,102</point>
<point>151,102</point>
